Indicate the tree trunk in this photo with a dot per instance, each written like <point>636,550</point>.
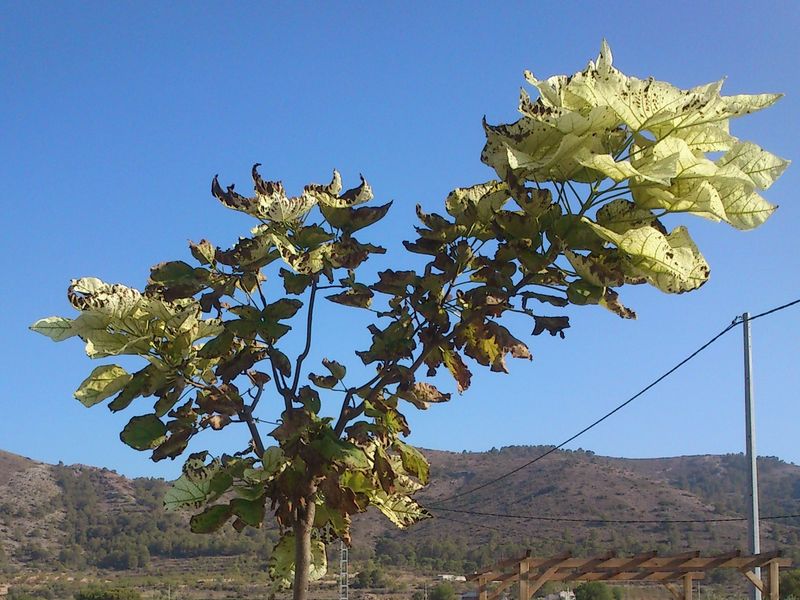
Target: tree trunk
<point>302,550</point>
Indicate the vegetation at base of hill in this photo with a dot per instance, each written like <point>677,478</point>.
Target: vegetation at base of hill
<point>723,488</point>
<point>107,594</point>
<point>117,524</point>
<point>790,584</point>
<point>594,590</point>
<point>128,539</point>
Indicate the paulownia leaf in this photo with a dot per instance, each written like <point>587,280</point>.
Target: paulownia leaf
<point>414,462</point>
<point>337,370</point>
<point>249,511</point>
<point>326,195</point>
<point>270,201</point>
<point>144,433</point>
<point>484,198</point>
<point>104,381</point>
<point>455,364</point>
<point>421,394</point>
<point>672,263</point>
<point>553,325</point>
<point>350,220</point>
<point>400,510</point>
<point>211,519</point>
<point>358,298</point>
<point>273,460</point>
<point>56,328</point>
<point>281,562</point>
<point>323,381</point>
<point>610,300</point>
<point>761,166</point>
<point>294,283</point>
<point>204,251</point>
<point>620,215</point>
<point>142,383</point>
<point>603,269</point>
<point>91,294</point>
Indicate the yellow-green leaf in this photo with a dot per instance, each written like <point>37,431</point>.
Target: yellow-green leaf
<point>672,263</point>
<point>104,381</point>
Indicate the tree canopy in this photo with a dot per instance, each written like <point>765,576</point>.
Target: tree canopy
<point>583,182</point>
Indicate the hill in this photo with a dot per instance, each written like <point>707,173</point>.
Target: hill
<point>59,516</point>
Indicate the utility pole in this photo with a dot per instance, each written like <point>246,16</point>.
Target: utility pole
<point>750,431</point>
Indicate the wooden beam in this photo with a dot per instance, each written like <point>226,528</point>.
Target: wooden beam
<point>673,589</point>
<point>756,581</point>
<point>540,581</point>
<point>687,587</point>
<point>590,565</point>
<point>506,583</point>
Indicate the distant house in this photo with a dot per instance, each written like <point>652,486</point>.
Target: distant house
<point>568,595</point>
<point>449,577</point>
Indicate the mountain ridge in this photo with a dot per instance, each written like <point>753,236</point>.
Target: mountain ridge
<point>78,515</point>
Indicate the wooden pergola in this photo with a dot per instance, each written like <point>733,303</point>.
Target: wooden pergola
<point>670,571</point>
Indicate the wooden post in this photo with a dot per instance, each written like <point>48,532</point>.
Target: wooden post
<point>483,593</point>
<point>687,587</point>
<point>774,580</point>
<point>523,580</point>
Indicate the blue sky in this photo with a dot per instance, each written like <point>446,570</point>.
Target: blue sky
<point>115,116</point>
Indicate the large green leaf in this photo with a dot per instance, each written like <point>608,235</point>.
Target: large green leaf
<point>187,492</point>
<point>92,294</point>
<point>400,510</point>
<point>144,432</point>
<point>56,328</point>
<point>249,511</point>
<point>672,263</point>
<point>484,198</point>
<point>281,563</point>
<point>103,382</point>
<point>211,519</point>
<point>414,462</point>
<point>761,166</point>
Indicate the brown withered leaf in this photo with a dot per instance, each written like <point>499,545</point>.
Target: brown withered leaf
<point>421,395</point>
<point>384,471</point>
<point>395,282</point>
<point>216,422</point>
<point>554,325</point>
<point>358,298</point>
<point>603,269</point>
<point>455,364</point>
<point>231,368</point>
<point>258,378</point>
<point>174,445</point>
<point>611,301</point>
<point>544,298</point>
<point>488,343</point>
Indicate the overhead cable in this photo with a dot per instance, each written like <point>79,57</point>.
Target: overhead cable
<point>611,521</point>
<point>737,321</point>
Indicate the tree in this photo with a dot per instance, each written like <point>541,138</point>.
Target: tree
<point>584,178</point>
<point>593,590</point>
<point>790,584</point>
<point>443,591</point>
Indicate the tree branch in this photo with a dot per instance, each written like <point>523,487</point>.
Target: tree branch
<point>256,398</point>
<point>246,415</point>
<point>304,354</point>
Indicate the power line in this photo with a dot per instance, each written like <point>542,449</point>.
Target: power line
<point>611,521</point>
<point>772,310</point>
<point>736,321</point>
